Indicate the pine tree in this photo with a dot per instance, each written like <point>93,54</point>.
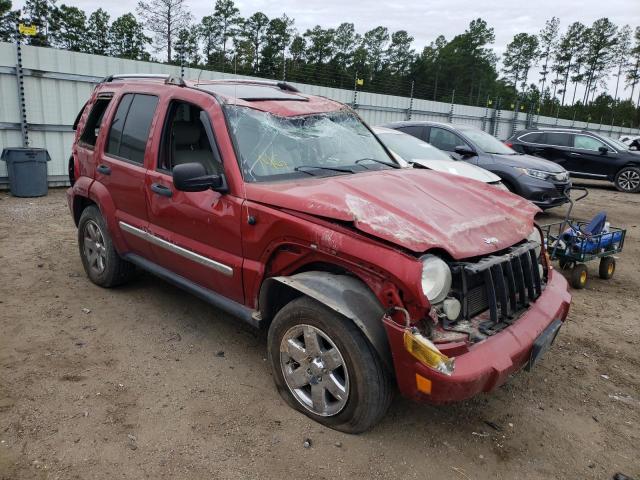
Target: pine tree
<point>253,31</point>
<point>547,39</point>
<point>68,28</point>
<point>164,18</point>
<point>39,14</point>
<point>128,39</point>
<point>601,40</point>
<point>568,57</point>
<point>98,40</point>
<point>8,21</point>
<point>400,55</point>
<point>518,58</point>
<point>633,70</point>
<point>621,54</point>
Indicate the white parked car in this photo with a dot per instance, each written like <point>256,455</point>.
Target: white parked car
<point>410,150</point>
<point>631,141</point>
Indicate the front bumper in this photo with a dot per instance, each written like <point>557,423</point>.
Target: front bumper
<point>488,364</point>
<point>544,193</point>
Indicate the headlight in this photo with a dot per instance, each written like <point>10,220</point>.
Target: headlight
<point>535,173</point>
<point>436,278</point>
<point>535,236</point>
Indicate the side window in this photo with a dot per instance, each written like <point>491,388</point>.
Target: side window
<point>185,139</point>
<point>416,131</point>
<point>587,143</point>
<point>130,127</point>
<point>444,139</point>
<point>533,137</point>
<point>558,139</point>
<point>94,122</point>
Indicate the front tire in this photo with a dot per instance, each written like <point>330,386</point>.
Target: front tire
<point>100,260</point>
<point>607,267</point>
<point>324,366</point>
<point>579,276</point>
<point>628,180</point>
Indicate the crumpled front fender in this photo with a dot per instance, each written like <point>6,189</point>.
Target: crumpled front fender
<point>347,296</point>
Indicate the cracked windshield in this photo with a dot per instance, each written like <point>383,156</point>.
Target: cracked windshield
<point>271,147</point>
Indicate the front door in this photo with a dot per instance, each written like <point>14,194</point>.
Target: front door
<point>194,234</point>
<point>590,160</point>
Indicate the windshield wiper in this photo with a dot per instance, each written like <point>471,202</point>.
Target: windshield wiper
<point>392,165</point>
<point>304,169</point>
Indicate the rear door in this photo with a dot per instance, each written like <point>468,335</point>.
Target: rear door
<point>557,147</point>
<point>195,234</point>
<point>121,165</point>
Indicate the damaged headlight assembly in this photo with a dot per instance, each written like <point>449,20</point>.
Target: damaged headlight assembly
<point>436,284</point>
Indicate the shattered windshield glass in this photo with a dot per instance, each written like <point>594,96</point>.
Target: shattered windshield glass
<point>271,147</point>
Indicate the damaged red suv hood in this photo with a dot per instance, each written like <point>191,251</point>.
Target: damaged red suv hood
<point>415,209</point>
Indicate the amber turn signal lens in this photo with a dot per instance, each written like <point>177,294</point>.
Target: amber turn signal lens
<point>423,384</point>
<point>426,352</point>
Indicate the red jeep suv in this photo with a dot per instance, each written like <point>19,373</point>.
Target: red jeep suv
<point>285,210</point>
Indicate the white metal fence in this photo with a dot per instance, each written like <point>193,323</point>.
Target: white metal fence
<point>58,82</point>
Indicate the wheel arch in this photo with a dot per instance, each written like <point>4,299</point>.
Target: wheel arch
<point>345,294</point>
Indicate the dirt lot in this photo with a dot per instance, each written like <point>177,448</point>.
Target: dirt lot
<point>146,381</point>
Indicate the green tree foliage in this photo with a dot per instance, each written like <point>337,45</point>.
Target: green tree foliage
<point>128,39</point>
<point>547,42</point>
<point>39,13</point>
<point>68,29</point>
<point>98,40</point>
<point>569,56</point>
<point>599,54</point>
<point>8,21</point>
<point>253,32</point>
<point>576,64</point>
<point>277,39</point>
<point>633,70</point>
<point>521,53</point>
<point>186,50</point>
<point>164,18</point>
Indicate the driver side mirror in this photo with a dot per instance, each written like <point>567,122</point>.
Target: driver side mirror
<point>464,151</point>
<point>603,150</point>
<point>192,177</point>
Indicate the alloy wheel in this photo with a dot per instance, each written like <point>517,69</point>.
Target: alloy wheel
<point>314,370</point>
<point>94,249</point>
<point>629,180</point>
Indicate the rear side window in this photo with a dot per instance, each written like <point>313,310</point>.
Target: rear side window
<point>558,139</point>
<point>533,137</point>
<point>94,122</point>
<point>417,132</point>
<point>130,127</point>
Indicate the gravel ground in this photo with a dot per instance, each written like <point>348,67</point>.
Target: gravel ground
<point>145,381</point>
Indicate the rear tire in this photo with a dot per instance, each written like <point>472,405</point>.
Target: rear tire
<point>628,180</point>
<point>305,374</point>
<point>100,260</point>
<point>607,267</point>
<point>579,276</point>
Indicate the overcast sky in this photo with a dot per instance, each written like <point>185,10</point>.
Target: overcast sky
<point>423,20</point>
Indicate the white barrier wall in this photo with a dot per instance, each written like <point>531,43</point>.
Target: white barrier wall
<point>58,82</point>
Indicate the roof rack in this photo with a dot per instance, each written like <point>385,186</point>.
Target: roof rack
<point>272,83</point>
<point>168,79</point>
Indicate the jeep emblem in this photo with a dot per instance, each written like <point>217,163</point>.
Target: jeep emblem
<point>490,240</point>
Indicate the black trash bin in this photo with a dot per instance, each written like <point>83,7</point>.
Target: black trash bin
<point>27,170</point>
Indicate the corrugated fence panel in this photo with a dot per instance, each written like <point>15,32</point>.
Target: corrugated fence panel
<point>58,82</point>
